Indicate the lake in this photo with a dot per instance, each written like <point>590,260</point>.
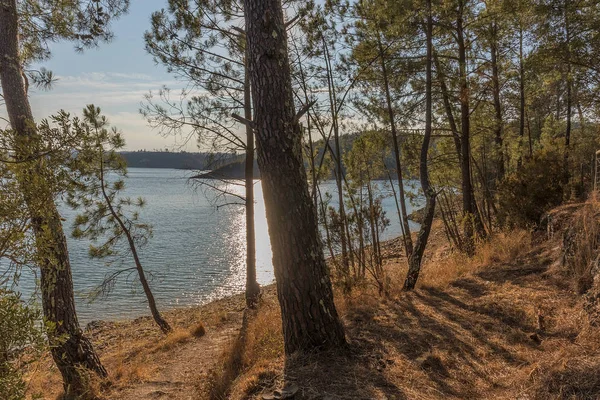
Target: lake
<point>197,253</point>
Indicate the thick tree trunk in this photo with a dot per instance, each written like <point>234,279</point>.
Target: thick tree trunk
<point>70,349</point>
<point>390,109</point>
<point>252,286</point>
<point>309,316</point>
<point>414,262</point>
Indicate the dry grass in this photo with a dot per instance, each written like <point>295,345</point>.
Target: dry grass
<point>199,330</point>
<point>501,325</point>
<point>248,361</point>
<point>130,369</point>
<point>581,243</point>
<point>494,326</point>
<point>44,379</point>
<point>442,265</point>
<point>136,354</point>
<point>173,339</point>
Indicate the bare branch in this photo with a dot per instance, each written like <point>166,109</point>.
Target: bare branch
<point>291,21</point>
<point>304,110</point>
<point>243,120</point>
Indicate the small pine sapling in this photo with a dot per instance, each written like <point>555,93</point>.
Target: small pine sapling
<point>106,218</point>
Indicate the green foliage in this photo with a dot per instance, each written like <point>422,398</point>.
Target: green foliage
<point>86,23</point>
<point>205,50</point>
<point>365,218</point>
<point>526,194</point>
<point>365,161</point>
<point>16,245</point>
<point>85,169</point>
<point>107,219</point>
<point>21,342</point>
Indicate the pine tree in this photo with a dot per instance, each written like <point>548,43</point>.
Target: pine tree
<point>27,28</point>
<point>309,316</point>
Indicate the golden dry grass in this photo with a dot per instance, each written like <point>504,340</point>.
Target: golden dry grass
<point>581,240</point>
<point>500,325</point>
<point>199,330</point>
<point>172,339</point>
<point>250,355</point>
<point>136,353</point>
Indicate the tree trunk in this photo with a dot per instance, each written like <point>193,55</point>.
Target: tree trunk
<point>414,262</point>
<point>252,286</point>
<point>309,317</point>
<point>70,349</point>
<point>471,218</point>
<point>344,233</point>
<point>406,229</point>
<point>569,93</point>
<point>160,321</point>
<point>448,107</point>
<point>521,95</point>
<point>498,123</point>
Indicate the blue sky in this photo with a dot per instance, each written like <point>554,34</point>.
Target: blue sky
<point>114,77</point>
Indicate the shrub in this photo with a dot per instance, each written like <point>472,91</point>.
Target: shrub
<point>525,195</point>
<point>21,342</point>
<point>581,241</point>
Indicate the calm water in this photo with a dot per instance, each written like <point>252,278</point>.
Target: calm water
<point>197,253</point>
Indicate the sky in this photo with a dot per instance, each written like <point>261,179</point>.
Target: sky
<point>114,77</point>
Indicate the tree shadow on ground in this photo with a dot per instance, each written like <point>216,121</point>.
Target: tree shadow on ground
<point>354,373</point>
<point>462,338</point>
<point>230,368</point>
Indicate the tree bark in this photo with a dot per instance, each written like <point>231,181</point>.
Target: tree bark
<point>569,93</point>
<point>309,317</point>
<point>498,123</point>
<point>70,349</point>
<point>414,262</point>
<point>406,229</point>
<point>521,94</point>
<point>471,217</point>
<point>252,286</point>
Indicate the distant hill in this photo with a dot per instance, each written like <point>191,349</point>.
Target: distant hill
<point>233,170</point>
<point>176,160</point>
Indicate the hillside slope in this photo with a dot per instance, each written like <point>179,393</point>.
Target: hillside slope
<point>504,325</point>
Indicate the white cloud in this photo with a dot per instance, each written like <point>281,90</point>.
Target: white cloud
<point>119,95</point>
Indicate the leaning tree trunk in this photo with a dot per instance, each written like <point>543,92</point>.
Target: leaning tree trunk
<point>252,286</point>
<point>70,349</point>
<point>414,262</point>
<point>448,106</point>
<point>310,320</point>
<point>160,321</point>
